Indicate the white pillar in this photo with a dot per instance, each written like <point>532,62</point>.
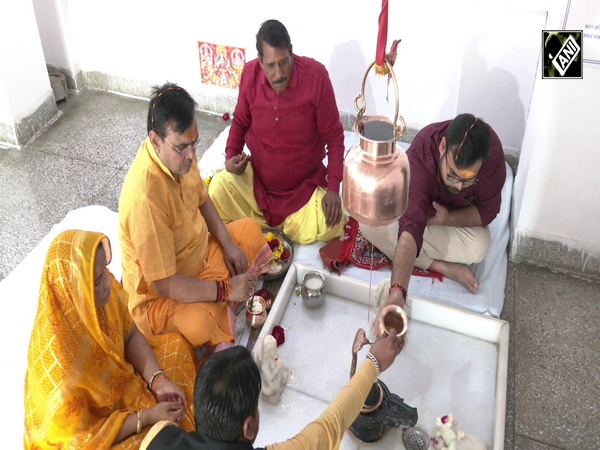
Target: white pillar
<point>27,102</point>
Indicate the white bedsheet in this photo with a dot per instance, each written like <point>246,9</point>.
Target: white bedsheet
<point>19,290</point>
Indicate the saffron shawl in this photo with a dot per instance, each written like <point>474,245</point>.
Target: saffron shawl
<point>79,388</point>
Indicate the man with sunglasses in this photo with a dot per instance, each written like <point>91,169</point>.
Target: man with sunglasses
<point>287,116</point>
<point>184,270</point>
<point>457,174</point>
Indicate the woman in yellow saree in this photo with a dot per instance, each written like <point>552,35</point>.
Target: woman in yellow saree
<point>93,380</point>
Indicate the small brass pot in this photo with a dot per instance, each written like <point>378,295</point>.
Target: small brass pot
<point>392,316</point>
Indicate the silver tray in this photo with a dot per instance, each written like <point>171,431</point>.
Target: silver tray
<point>454,361</point>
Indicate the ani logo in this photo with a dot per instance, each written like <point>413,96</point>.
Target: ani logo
<point>562,54</point>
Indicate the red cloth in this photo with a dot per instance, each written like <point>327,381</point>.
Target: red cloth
<point>354,248</point>
<point>382,34</point>
<point>426,186</point>
<point>286,134</point>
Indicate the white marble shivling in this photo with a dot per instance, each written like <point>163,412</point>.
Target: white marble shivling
<point>447,436</point>
<point>273,373</point>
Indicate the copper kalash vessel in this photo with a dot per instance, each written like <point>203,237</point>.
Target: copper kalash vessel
<point>382,409</point>
<point>376,169</point>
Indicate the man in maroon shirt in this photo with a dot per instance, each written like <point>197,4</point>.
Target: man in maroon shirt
<point>457,174</point>
<point>286,115</point>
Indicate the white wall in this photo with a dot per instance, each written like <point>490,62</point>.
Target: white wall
<point>563,140</point>
<point>55,32</point>
<point>447,61</point>
<point>23,76</point>
<point>554,195</point>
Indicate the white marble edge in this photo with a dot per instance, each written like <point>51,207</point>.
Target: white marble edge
<point>501,385</point>
<point>454,319</point>
<point>445,316</point>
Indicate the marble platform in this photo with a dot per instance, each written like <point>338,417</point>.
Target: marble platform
<point>454,361</point>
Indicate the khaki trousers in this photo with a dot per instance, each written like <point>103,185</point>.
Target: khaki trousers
<point>465,245</point>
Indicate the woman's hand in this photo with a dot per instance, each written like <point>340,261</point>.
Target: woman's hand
<point>168,410</point>
<point>167,391</point>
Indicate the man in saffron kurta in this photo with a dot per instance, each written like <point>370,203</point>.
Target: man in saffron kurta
<point>286,115</point>
<point>181,264</point>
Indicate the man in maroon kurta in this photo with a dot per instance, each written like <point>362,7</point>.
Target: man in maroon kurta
<point>287,116</point>
<point>457,174</point>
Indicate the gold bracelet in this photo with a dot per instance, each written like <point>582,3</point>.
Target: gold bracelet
<point>139,421</point>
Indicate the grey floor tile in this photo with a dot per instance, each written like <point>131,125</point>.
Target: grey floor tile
<point>38,190</point>
<point>557,359</point>
<point>109,194</point>
<point>523,443</point>
<point>97,127</point>
<point>508,314</point>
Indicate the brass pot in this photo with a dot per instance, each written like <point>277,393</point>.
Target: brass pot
<point>392,316</point>
<point>376,169</point>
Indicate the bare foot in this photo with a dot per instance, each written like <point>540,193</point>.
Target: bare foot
<point>457,272</point>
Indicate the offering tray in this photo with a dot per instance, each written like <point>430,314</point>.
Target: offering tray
<point>454,361</point>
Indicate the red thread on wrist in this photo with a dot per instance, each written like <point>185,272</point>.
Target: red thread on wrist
<point>223,291</point>
<point>402,290</point>
<point>227,290</point>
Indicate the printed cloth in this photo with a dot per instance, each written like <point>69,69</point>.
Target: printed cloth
<point>354,248</point>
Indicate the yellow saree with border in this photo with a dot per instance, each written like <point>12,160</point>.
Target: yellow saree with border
<point>79,388</point>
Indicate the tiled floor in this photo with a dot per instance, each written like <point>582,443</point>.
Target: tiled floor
<point>554,368</point>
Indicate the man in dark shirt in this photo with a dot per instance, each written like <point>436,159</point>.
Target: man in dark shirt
<point>226,411</point>
<point>457,174</point>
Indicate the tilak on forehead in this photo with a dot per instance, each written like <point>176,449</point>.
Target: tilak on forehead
<point>466,174</point>
<point>191,134</point>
